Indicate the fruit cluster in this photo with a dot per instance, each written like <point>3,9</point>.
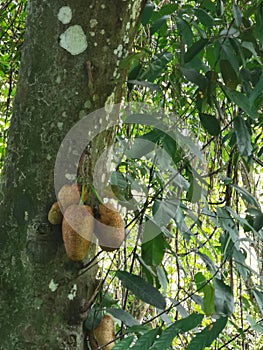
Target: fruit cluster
<point>103,334</point>
<point>78,223</point>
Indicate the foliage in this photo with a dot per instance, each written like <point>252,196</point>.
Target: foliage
<point>197,281</point>
<point>12,17</point>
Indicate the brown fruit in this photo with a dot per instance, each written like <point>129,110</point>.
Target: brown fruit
<point>54,214</point>
<point>77,230</point>
<point>104,333</point>
<point>110,228</point>
<point>70,194</point>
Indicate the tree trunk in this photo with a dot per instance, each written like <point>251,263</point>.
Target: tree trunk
<point>61,80</point>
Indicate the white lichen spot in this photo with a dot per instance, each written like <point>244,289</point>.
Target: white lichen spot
<point>53,286</point>
<point>126,39</point>
<point>73,292</point>
<point>100,121</point>
<point>60,125</point>
<point>93,23</point>
<point>102,32</point>
<point>74,40</point>
<point>103,6</point>
<point>70,177</point>
<point>76,92</point>
<point>135,10</point>
<point>118,51</point>
<point>92,33</point>
<point>103,178</point>
<point>65,14</point>
<point>109,103</point>
<point>58,79</point>
<point>48,157</point>
<point>64,114</point>
<point>115,73</point>
<point>128,26</point>
<point>26,215</point>
<point>95,44</point>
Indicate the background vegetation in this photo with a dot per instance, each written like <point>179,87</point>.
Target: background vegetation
<point>198,283</point>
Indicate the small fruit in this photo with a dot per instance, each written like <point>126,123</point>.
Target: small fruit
<point>109,228</point>
<point>54,214</point>
<point>70,194</point>
<point>104,333</point>
<point>77,230</point>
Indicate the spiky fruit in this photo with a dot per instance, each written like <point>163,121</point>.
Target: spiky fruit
<point>70,194</point>
<point>104,333</point>
<point>54,214</point>
<point>109,228</point>
<point>77,230</point>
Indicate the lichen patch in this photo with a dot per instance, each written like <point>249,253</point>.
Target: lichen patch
<point>74,40</point>
<point>65,14</point>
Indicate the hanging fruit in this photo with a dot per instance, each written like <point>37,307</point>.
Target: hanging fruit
<point>103,334</point>
<point>109,228</point>
<point>77,230</point>
<point>54,214</point>
<point>70,194</point>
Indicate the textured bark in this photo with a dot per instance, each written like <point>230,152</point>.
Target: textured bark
<point>55,90</point>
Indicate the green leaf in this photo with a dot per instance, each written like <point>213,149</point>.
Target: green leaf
<point>209,293</point>
<point>167,9</point>
<point>245,195</point>
<point>243,137</point>
<point>209,298</point>
<point>181,326</point>
<point>224,300</point>
<point>108,300</point>
<point>147,13</point>
<point>240,260</point>
<point>194,192</point>
<point>94,318</point>
<point>250,47</point>
<point>162,278</point>
<point>151,230</point>
<point>259,297</point>
<point>209,263</point>
<point>195,77</point>
<point>142,289</point>
<point>210,124</point>
<point>242,101</point>
<point>140,148</point>
<point>257,91</point>
<point>195,49</point>
<point>227,224</point>
<point>146,340</point>
<point>149,85</point>
<point>185,31</point>
<point>229,75</point>
<point>124,316</point>
<point>208,335</point>
<point>204,18</point>
<point>124,344</point>
<point>158,24</point>
<point>237,15</point>
<point>153,250</point>
<point>258,327</point>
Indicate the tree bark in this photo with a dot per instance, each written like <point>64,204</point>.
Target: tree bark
<point>42,292</point>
